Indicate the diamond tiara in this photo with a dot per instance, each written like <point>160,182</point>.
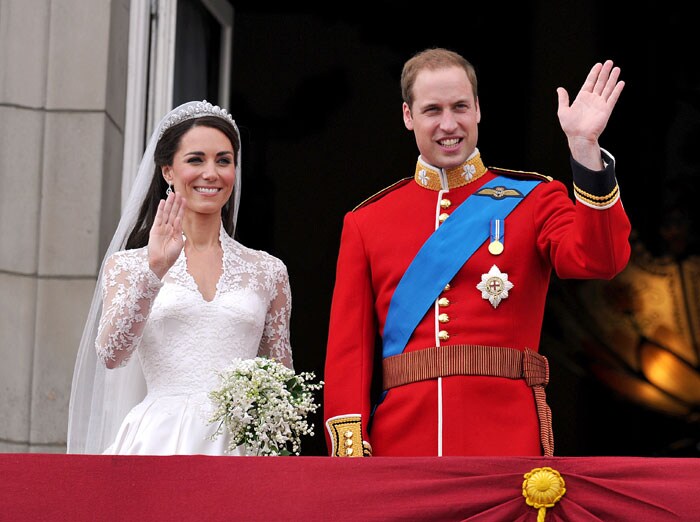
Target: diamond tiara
<point>197,110</point>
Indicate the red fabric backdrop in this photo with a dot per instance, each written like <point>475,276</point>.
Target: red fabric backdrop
<point>51,487</point>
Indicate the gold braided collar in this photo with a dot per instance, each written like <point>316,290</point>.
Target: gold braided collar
<point>428,176</point>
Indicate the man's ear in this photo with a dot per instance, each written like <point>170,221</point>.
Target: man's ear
<point>407,118</point>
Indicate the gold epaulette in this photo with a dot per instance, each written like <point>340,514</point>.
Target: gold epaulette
<point>520,174</point>
<point>383,192</point>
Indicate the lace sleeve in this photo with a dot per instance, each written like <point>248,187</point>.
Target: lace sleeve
<point>275,339</point>
<point>129,288</point>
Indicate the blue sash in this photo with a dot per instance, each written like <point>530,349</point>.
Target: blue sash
<point>461,235</point>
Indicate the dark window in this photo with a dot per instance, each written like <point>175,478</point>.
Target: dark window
<point>197,51</point>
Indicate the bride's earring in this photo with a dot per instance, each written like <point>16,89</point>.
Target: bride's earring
<point>169,190</point>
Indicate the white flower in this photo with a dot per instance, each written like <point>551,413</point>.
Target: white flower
<point>263,405</point>
<point>469,171</point>
<point>423,177</point>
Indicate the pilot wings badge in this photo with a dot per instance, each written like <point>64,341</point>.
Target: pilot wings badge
<point>499,192</point>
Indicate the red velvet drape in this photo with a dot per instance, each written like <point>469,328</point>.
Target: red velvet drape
<point>52,487</point>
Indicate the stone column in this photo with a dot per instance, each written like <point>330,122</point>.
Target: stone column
<point>63,68</point>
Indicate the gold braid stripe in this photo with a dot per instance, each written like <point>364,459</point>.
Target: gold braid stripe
<point>588,195</point>
<point>597,200</point>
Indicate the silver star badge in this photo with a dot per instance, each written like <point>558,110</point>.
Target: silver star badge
<point>494,286</point>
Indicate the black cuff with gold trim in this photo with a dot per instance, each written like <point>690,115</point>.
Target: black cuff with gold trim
<point>596,188</point>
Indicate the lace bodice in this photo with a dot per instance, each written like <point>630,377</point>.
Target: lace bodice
<point>182,339</point>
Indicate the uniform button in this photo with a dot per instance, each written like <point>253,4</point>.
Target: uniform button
<point>348,434</point>
<point>348,443</point>
<point>443,217</point>
<point>447,287</point>
<point>444,318</point>
<point>348,451</point>
<point>443,335</point>
<point>443,301</point>
<point>445,203</point>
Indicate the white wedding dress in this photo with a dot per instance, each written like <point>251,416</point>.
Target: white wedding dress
<point>182,341</point>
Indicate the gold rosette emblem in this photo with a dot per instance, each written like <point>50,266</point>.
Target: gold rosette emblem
<point>542,488</point>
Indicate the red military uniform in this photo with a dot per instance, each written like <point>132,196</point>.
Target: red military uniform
<point>459,414</point>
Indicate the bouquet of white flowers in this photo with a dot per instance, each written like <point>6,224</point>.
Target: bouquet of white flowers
<point>263,405</point>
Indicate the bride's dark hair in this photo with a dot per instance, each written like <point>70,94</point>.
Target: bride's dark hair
<point>164,154</point>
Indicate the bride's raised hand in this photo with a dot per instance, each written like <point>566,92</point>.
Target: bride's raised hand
<point>165,240</point>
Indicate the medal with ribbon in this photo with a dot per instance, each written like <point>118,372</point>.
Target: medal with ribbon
<point>496,235</point>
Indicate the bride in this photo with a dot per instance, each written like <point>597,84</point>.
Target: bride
<point>177,299</point>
